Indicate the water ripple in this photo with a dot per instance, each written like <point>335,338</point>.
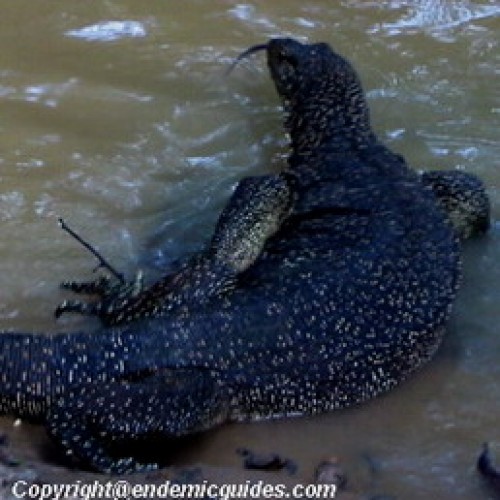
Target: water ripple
<point>109,31</point>
<point>12,204</point>
<point>248,14</point>
<point>437,17</point>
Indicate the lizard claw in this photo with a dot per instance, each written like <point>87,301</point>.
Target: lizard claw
<point>99,286</point>
<point>76,306</point>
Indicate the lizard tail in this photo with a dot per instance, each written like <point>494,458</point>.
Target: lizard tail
<point>36,369</point>
<point>25,373</point>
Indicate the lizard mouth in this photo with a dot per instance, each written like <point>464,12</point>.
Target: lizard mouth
<point>280,52</point>
<point>283,58</point>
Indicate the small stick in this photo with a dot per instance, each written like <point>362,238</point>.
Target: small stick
<point>102,261</point>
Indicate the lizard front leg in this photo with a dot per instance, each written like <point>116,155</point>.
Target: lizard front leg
<point>254,213</point>
<point>112,297</point>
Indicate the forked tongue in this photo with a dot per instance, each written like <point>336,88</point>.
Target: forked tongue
<point>248,52</point>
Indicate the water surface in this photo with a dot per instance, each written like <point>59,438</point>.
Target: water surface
<point>118,117</point>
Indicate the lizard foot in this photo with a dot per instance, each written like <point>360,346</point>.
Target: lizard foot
<point>112,297</point>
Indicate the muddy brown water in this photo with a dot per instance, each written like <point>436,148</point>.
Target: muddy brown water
<point>118,117</point>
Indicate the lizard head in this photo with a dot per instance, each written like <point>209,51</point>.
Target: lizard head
<point>321,93</point>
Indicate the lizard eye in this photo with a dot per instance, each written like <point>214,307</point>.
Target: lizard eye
<point>287,67</point>
<point>287,60</point>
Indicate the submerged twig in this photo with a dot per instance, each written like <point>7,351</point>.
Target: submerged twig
<point>102,261</point>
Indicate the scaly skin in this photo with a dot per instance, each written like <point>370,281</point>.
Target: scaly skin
<point>323,286</point>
